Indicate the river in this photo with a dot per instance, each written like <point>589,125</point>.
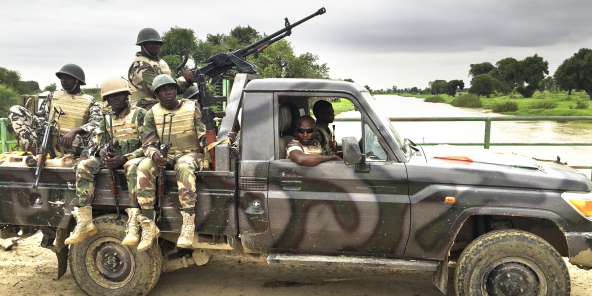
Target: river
<point>501,132</point>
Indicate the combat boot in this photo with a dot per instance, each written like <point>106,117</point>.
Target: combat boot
<point>132,231</point>
<point>149,233</point>
<point>187,230</point>
<point>84,225</point>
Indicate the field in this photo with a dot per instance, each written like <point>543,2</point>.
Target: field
<point>575,105</point>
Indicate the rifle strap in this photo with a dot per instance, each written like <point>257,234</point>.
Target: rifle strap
<point>207,157</point>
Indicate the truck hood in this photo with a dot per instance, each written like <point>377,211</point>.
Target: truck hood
<point>545,176</point>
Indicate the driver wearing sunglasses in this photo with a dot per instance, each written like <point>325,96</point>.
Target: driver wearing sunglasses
<point>306,150</point>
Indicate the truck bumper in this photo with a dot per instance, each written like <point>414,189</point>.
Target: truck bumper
<point>580,248</point>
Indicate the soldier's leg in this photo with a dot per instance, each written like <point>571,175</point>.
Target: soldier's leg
<point>132,231</point>
<point>185,169</point>
<point>26,127</point>
<point>146,193</point>
<point>85,189</point>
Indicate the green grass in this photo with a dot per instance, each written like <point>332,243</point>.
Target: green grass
<point>343,106</point>
<point>566,105</point>
<point>434,99</point>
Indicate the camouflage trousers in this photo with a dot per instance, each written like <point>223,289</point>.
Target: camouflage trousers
<point>185,167</point>
<point>29,130</point>
<point>85,179</point>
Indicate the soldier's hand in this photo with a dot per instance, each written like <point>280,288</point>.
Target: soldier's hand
<point>232,136</point>
<point>159,160</point>
<point>83,158</point>
<point>114,160</point>
<point>67,139</point>
<point>188,75</point>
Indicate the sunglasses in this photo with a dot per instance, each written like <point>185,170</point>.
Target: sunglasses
<point>302,130</point>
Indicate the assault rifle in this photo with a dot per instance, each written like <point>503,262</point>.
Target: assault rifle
<point>50,128</point>
<point>109,147</point>
<point>164,151</point>
<point>222,62</point>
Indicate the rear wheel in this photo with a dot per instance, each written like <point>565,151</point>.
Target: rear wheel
<point>101,265</point>
<point>511,263</point>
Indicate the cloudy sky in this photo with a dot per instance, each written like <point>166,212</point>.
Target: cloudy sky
<point>380,43</point>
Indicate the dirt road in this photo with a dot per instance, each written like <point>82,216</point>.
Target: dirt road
<point>30,270</point>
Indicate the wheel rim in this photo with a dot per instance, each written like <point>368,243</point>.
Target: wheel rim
<point>513,276</point>
<point>109,263</point>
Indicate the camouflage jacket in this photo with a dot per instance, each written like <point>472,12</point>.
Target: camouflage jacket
<point>325,136</point>
<point>94,118</point>
<point>150,138</point>
<point>97,139</point>
<point>141,74</point>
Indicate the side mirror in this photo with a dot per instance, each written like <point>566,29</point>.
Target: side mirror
<point>351,150</point>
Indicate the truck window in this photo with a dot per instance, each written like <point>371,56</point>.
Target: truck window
<point>372,146</point>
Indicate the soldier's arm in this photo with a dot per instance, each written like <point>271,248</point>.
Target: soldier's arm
<point>94,143</point>
<point>140,125</point>
<point>200,129</point>
<point>94,118</point>
<point>142,75</point>
<point>149,135</point>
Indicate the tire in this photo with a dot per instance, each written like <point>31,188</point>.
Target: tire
<point>132,273</point>
<point>511,262</point>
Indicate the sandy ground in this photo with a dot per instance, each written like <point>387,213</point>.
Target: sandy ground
<point>31,270</point>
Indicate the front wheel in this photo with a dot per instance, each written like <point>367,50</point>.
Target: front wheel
<point>101,265</point>
<point>511,263</point>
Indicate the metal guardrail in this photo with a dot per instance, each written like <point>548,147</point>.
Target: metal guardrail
<point>488,120</point>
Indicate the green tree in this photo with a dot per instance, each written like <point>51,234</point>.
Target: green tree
<point>531,72</point>
<point>28,87</point>
<point>175,41</point>
<point>368,88</point>
<point>478,69</point>
<point>245,35</point>
<point>505,72</point>
<point>576,72</point>
<point>453,86</point>
<point>438,86</point>
<point>10,78</point>
<point>8,98</point>
<point>548,84</point>
<point>349,80</point>
<point>414,90</point>
<point>52,87</point>
<point>483,85</point>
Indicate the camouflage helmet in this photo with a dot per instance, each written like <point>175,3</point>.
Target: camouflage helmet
<point>74,71</point>
<point>148,34</point>
<point>114,85</point>
<point>190,92</point>
<point>163,79</point>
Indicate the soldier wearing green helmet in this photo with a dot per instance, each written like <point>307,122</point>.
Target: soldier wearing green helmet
<point>192,93</point>
<point>82,115</point>
<point>147,66</point>
<point>185,155</point>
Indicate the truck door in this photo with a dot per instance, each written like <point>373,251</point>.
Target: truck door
<point>335,208</point>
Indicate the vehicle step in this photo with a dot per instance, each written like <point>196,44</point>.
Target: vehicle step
<point>400,264</point>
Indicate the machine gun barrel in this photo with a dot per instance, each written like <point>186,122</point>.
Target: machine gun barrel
<point>42,156</point>
<point>287,31</point>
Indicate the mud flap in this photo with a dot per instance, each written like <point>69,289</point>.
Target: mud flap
<point>440,278</point>
<point>61,251</point>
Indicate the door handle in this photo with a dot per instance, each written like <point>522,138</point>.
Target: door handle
<point>291,185</point>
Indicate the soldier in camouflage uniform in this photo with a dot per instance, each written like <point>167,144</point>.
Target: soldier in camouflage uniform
<point>127,124</point>
<point>324,113</point>
<point>82,114</point>
<point>147,66</point>
<point>185,155</point>
<point>306,149</point>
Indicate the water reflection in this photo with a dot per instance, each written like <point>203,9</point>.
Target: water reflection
<point>501,132</point>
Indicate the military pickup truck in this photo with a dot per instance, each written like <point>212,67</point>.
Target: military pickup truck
<point>504,228</point>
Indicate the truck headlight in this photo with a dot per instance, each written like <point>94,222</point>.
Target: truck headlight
<point>581,201</point>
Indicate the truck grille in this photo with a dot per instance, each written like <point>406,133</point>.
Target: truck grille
<point>246,183</point>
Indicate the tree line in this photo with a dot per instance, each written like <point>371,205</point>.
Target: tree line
<point>11,86</point>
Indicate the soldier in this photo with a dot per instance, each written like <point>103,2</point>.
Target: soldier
<point>192,93</point>
<point>324,113</point>
<point>186,156</point>
<point>82,114</point>
<point>147,66</point>
<point>127,123</point>
<point>306,149</point>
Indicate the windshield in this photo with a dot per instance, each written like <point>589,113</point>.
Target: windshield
<point>384,119</point>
